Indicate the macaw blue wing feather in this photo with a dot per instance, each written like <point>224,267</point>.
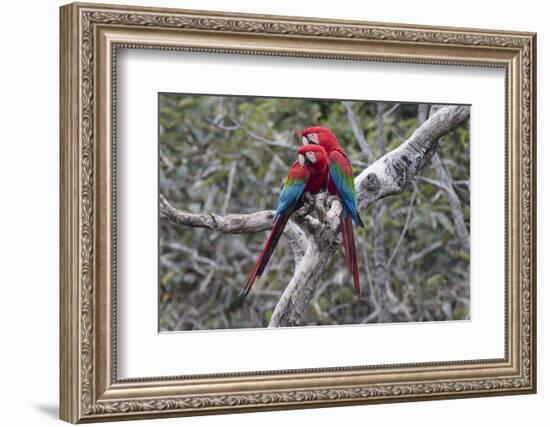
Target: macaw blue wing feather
<point>341,175</point>
<point>293,190</point>
<point>291,195</point>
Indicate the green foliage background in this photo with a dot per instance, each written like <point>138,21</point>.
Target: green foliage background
<point>202,138</point>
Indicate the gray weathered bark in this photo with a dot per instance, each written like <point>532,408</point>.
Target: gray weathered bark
<point>446,180</point>
<point>238,224</point>
<point>381,276</point>
<point>387,176</point>
<point>454,201</point>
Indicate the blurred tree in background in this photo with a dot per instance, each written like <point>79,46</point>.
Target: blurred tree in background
<point>231,155</point>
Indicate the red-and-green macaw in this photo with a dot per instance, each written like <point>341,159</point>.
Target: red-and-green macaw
<point>308,174</point>
<point>340,183</point>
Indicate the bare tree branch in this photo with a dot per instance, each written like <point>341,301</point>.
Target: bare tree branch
<point>231,224</point>
<point>419,255</point>
<point>392,109</point>
<point>454,201</point>
<point>230,182</point>
<point>405,227</point>
<point>388,175</point>
<point>297,240</point>
<point>237,125</point>
<point>237,224</point>
<point>299,292</point>
<point>370,294</point>
<point>446,180</point>
<point>423,112</point>
<point>354,123</point>
<point>381,275</point>
<point>380,272</point>
<point>434,182</point>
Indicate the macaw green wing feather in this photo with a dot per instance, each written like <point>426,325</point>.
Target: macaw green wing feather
<point>341,174</point>
<point>291,195</point>
<point>293,189</point>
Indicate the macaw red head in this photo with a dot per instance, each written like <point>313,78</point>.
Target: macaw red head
<point>313,156</point>
<point>321,136</point>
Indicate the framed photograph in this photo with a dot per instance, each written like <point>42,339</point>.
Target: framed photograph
<point>267,212</point>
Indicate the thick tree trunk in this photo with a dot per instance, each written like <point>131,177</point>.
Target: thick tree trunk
<point>298,293</point>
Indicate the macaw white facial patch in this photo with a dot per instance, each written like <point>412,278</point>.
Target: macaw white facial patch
<point>313,138</point>
<point>310,155</point>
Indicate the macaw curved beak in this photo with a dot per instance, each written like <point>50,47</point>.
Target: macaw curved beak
<point>302,159</point>
<point>304,141</point>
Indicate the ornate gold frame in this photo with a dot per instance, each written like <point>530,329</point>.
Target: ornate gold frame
<point>90,35</point>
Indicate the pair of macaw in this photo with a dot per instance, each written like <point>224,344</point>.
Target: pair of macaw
<point>322,164</point>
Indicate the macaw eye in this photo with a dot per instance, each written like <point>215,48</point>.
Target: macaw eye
<point>313,138</point>
<point>304,140</point>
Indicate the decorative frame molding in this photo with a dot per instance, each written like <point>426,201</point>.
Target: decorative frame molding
<point>90,36</point>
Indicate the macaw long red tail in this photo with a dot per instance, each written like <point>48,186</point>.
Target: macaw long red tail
<point>349,249</point>
<point>269,247</point>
